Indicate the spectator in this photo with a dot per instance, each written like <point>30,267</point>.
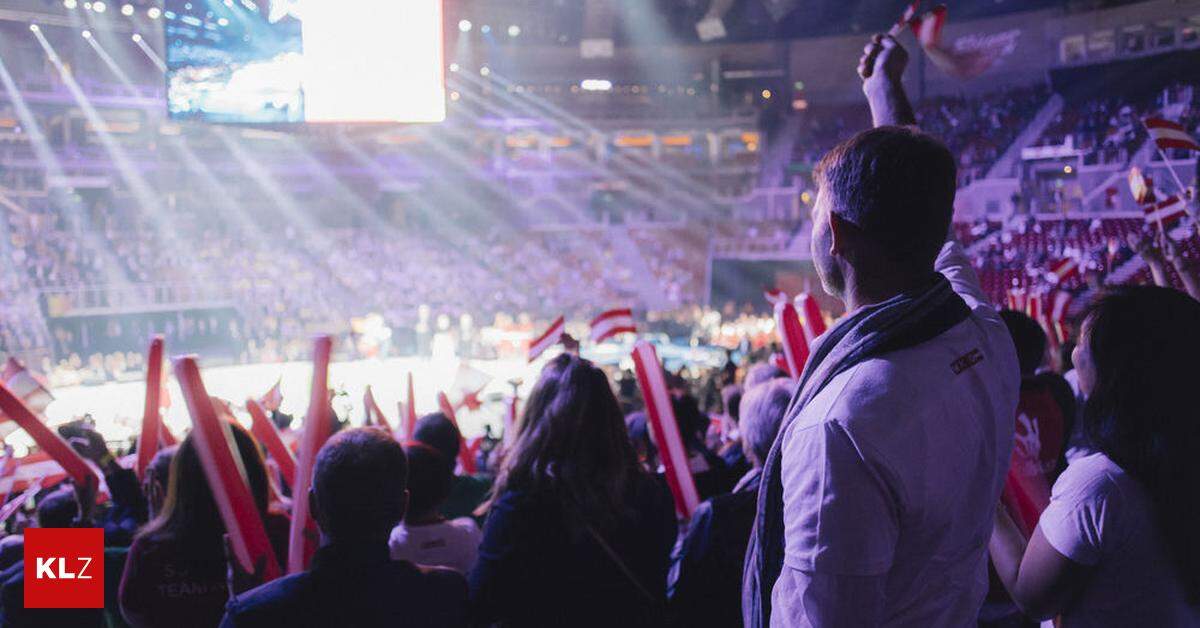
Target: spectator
<point>425,537</point>
<point>467,492</point>
<point>358,496</point>
<point>761,373</point>
<point>175,574</point>
<point>706,574</point>
<point>577,533</point>
<point>895,447</point>
<point>1117,545</point>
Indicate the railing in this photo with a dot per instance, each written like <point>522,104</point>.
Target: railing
<point>113,299</point>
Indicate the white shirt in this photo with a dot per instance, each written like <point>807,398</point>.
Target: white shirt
<point>891,477</point>
<point>452,544</point>
<point>1100,516</point>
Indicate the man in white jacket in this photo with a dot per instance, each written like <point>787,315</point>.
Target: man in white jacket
<point>879,495</point>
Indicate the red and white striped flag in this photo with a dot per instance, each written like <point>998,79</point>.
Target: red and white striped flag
<point>965,63</point>
<point>274,397</point>
<point>1033,306</point>
<point>374,413</point>
<point>8,469</point>
<point>267,433</point>
<point>27,385</point>
<point>1167,134</point>
<point>661,416</point>
<point>1015,300</point>
<point>1063,270</point>
<point>226,477</point>
<point>318,427</point>
<point>549,338</point>
<point>906,18</point>
<point>611,323</point>
<point>465,459</point>
<point>810,317</point>
<point>792,337</point>
<point>148,439</point>
<point>1060,305</point>
<point>410,411</point>
<point>1167,211</point>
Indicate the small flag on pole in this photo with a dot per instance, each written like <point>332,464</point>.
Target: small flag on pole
<point>268,434</point>
<point>148,439</point>
<point>318,426</point>
<point>226,476</point>
<point>548,339</point>
<point>661,417</point>
<point>611,323</point>
<point>1167,134</point>
<point>1167,211</point>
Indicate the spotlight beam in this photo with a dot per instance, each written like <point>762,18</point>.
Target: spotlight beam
<point>116,69</point>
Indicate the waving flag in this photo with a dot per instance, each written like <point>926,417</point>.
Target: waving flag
<point>661,417</point>
<point>611,323</point>
<point>792,337</point>
<point>318,426</point>
<point>268,434</point>
<point>1060,305</point>
<point>965,63</point>
<point>1167,134</point>
<point>1168,212</point>
<point>28,386</point>
<point>906,18</point>
<point>148,438</point>
<point>1063,270</point>
<point>274,397</point>
<point>548,339</point>
<point>226,477</point>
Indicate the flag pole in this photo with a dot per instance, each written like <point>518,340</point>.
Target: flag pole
<point>1174,175</point>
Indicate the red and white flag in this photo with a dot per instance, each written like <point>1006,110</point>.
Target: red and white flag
<point>374,413</point>
<point>661,416</point>
<point>965,63</point>
<point>549,338</point>
<point>226,477</point>
<point>611,323</point>
<point>1063,270</point>
<point>1059,307</point>
<point>906,18</point>
<point>318,426</point>
<point>274,397</point>
<point>267,433</point>
<point>1033,307</point>
<point>1167,134</point>
<point>793,338</point>
<point>1167,211</point>
<point>8,469</point>
<point>810,317</point>
<point>1015,300</point>
<point>465,459</point>
<point>148,439</point>
<point>30,387</point>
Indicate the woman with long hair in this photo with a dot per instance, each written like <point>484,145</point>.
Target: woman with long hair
<point>578,534</point>
<point>175,574</point>
<point>1118,544</point>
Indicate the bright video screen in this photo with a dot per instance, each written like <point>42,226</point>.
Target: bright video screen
<point>294,61</point>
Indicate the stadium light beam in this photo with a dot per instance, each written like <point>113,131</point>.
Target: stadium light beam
<point>153,56</point>
<point>113,65</point>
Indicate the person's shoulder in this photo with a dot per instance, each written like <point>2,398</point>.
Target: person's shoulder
<point>1093,477</point>
<point>271,600</point>
<point>465,526</point>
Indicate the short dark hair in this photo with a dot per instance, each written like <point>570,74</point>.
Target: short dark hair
<point>761,373</point>
<point>896,185</point>
<point>429,478</point>
<point>58,509</point>
<point>1030,339</point>
<point>763,408</point>
<point>359,482</point>
<point>159,468</point>
<point>439,432</point>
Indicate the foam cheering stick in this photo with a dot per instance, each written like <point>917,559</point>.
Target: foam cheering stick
<point>465,459</point>
<point>147,444</point>
<point>267,434</point>
<point>374,411</point>
<point>318,425</point>
<point>410,411</point>
<point>165,437</point>
<point>791,335</point>
<point>226,476</point>
<point>10,508</point>
<point>666,431</point>
<point>47,439</point>
<point>810,317</point>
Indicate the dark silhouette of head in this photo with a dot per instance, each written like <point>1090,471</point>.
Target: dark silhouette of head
<point>58,509</point>
<point>359,487</point>
<point>429,479</point>
<point>439,432</point>
<point>1030,339</point>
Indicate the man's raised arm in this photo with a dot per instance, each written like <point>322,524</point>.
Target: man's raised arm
<point>882,70</point>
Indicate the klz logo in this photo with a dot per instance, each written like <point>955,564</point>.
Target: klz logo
<point>64,568</point>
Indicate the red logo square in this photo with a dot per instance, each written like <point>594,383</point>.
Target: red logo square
<point>64,568</point>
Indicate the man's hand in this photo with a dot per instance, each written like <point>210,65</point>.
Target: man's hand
<point>883,60</point>
<point>882,70</point>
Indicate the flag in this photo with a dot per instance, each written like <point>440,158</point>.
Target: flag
<point>468,383</point>
<point>274,397</point>
<point>1015,300</point>
<point>223,469</point>
<point>661,417</point>
<point>28,386</point>
<point>792,337</point>
<point>548,339</point>
<point>148,439</point>
<point>1167,134</point>
<point>1167,211</point>
<point>810,317</point>
<point>1063,270</point>
<point>465,459</point>
<point>267,433</point>
<point>374,413</point>
<point>318,426</point>
<point>906,18</point>
<point>611,323</point>
<point>8,469</point>
<point>410,411</point>
<point>964,63</point>
<point>1060,305</point>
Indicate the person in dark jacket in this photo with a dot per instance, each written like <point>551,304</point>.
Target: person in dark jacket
<point>578,533</point>
<point>705,582</point>
<point>358,496</point>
